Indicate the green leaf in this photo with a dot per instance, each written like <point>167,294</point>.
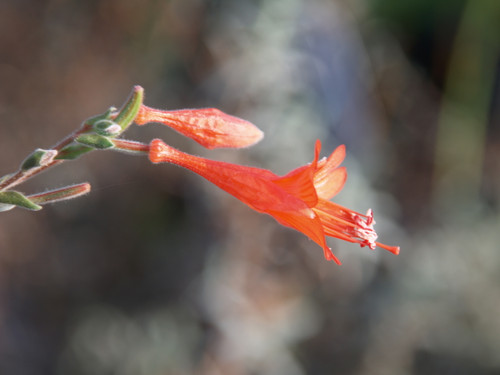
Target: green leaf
<point>108,115</point>
<point>38,158</point>
<point>6,207</point>
<point>95,141</point>
<point>107,128</point>
<point>130,109</point>
<point>17,199</point>
<point>61,194</point>
<point>73,151</point>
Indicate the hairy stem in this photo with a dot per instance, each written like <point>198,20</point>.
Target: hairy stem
<point>23,175</point>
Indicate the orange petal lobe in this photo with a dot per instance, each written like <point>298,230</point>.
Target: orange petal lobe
<point>332,184</point>
<point>307,223</point>
<point>299,184</point>
<point>327,181</point>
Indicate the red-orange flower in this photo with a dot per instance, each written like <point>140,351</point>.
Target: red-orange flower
<point>209,127</point>
<point>299,200</point>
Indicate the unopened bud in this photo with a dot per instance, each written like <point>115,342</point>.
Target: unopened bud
<point>210,127</point>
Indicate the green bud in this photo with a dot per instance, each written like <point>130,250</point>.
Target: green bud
<point>14,198</point>
<point>38,158</point>
<point>95,141</point>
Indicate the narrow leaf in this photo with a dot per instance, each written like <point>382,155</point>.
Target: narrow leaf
<point>73,151</point>
<point>64,193</point>
<point>107,128</point>
<point>108,115</point>
<point>130,109</point>
<point>17,199</point>
<point>95,141</point>
<point>38,158</point>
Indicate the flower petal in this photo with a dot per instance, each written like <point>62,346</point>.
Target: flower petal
<point>300,184</point>
<point>329,179</point>
<point>307,223</point>
<point>332,184</point>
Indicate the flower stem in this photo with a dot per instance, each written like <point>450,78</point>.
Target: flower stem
<point>123,118</point>
<point>130,146</point>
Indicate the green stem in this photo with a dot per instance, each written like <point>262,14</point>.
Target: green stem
<point>124,118</point>
<point>130,146</point>
<point>22,175</point>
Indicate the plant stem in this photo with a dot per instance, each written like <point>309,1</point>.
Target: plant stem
<point>130,146</point>
<point>22,175</point>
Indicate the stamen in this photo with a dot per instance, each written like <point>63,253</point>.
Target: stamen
<point>392,249</point>
<point>369,215</point>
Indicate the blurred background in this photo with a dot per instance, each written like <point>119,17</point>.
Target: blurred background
<point>158,272</point>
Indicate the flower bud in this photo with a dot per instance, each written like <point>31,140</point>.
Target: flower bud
<point>209,127</point>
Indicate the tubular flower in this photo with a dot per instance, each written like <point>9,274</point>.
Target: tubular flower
<point>299,200</point>
<point>209,127</point>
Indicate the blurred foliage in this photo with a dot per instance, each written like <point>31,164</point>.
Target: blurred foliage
<point>158,272</point>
